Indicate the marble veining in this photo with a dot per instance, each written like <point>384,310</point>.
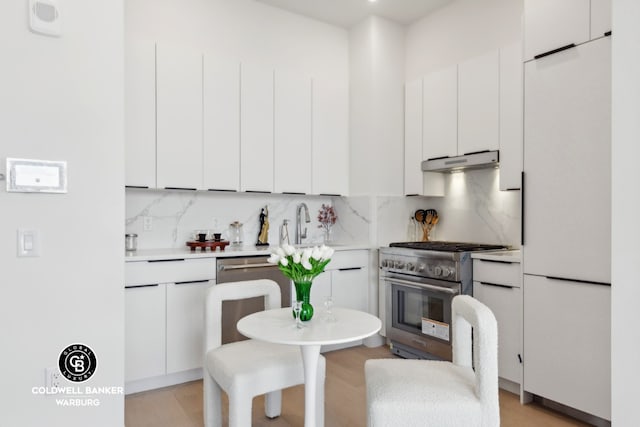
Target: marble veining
<point>472,210</point>
<point>176,215</point>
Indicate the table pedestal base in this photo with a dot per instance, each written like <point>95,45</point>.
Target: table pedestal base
<point>310,355</point>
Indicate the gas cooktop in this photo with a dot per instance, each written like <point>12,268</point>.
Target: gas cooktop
<point>447,246</point>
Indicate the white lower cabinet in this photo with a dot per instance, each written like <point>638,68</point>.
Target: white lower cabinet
<point>164,317</point>
<point>346,280</point>
<point>349,287</point>
<point>145,340</point>
<point>567,343</point>
<point>185,320</point>
<point>497,285</point>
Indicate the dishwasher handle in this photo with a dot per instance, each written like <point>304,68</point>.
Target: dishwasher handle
<point>243,266</point>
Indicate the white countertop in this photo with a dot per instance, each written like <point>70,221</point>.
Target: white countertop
<point>504,256</point>
<point>171,253</point>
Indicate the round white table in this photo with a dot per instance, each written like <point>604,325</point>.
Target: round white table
<point>279,326</point>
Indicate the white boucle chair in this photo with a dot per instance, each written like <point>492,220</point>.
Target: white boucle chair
<point>249,368</point>
<point>437,393</point>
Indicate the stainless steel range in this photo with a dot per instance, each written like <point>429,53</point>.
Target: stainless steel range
<point>420,280</point>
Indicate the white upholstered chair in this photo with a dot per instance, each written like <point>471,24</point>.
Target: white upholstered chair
<point>438,393</point>
<point>249,368</point>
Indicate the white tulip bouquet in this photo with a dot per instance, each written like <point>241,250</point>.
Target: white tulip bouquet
<point>301,265</point>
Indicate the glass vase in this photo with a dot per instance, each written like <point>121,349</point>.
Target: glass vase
<point>327,235</point>
<point>303,293</point>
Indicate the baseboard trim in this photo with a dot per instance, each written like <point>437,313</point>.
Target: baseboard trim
<point>162,381</point>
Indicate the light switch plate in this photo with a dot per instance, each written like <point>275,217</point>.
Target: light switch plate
<point>28,242</point>
<point>44,17</point>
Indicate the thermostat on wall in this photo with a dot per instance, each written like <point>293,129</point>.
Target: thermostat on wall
<point>44,17</point>
<point>36,176</point>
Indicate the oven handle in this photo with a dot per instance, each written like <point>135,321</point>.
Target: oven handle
<point>415,285</point>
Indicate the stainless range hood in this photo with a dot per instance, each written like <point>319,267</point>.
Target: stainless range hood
<point>479,160</point>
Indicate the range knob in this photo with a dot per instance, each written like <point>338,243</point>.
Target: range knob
<point>437,271</point>
<point>385,263</point>
<point>399,265</point>
<point>448,272</point>
<point>420,268</point>
<point>411,266</point>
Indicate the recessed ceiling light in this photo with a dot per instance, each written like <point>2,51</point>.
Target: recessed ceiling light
<point>372,1</point>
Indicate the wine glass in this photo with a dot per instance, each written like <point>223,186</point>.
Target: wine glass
<point>297,308</point>
<point>328,306</point>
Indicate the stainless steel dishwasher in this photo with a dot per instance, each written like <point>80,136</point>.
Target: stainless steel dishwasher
<point>238,269</point>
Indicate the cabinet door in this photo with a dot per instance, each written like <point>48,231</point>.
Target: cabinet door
<point>330,143</point>
<point>506,304</point>
<point>478,104</point>
<point>350,288</point>
<point>140,114</point>
<point>567,160</point>
<point>179,109</point>
<point>600,18</point>
<point>185,319</point>
<point>292,168</point>
<point>567,343</point>
<point>221,106</point>
<point>145,343</point>
<point>413,138</point>
<point>551,24</point>
<point>440,113</point>
<point>511,116</point>
<point>256,124</point>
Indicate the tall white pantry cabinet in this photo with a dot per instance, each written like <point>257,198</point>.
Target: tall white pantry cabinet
<point>566,216</point>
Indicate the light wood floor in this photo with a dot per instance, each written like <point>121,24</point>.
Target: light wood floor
<point>345,401</point>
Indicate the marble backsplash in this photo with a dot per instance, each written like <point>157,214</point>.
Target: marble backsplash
<point>473,210</point>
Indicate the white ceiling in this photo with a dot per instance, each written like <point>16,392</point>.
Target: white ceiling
<point>346,13</point>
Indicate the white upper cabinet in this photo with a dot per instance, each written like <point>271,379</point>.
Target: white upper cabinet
<point>567,161</point>
<point>256,128</point>
<point>417,182</point>
<point>140,116</point>
<point>221,109</point>
<point>330,143</point>
<point>553,24</point>
<point>440,113</point>
<point>179,115</point>
<point>292,160</point>
<point>511,116</point>
<point>478,104</point>
<point>413,138</point>
<point>600,18</point>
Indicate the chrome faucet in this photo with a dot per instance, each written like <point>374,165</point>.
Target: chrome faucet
<point>299,233</point>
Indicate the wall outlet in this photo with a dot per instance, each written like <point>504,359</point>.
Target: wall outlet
<point>147,223</point>
<point>52,378</point>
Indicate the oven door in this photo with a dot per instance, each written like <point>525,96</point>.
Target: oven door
<point>419,314</point>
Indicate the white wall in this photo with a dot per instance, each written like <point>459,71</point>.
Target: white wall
<point>625,269</point>
<point>461,30</point>
<point>376,96</point>
<point>62,99</point>
<point>244,30</point>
